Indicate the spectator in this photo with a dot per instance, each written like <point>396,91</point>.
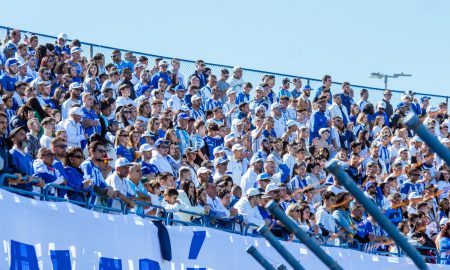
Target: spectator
<point>247,207</point>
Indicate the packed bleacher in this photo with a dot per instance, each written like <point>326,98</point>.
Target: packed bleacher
<point>119,133</point>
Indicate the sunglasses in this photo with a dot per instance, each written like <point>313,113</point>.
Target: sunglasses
<point>49,155</point>
<point>62,146</point>
<point>101,151</point>
<point>78,156</point>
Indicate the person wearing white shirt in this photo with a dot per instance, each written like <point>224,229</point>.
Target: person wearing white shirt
<point>235,166</point>
<point>280,121</point>
<point>159,156</point>
<point>74,100</point>
<point>247,207</point>
<point>118,182</point>
<point>338,110</point>
<point>215,202</point>
<point>73,128</point>
<point>250,177</point>
<point>236,82</point>
<point>177,100</point>
<point>124,98</point>
<point>289,159</point>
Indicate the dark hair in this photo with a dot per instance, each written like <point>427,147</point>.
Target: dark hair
<point>185,186</point>
<point>170,192</point>
<point>70,153</point>
<point>34,104</point>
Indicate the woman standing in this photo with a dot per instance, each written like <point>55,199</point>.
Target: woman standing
<point>121,143</point>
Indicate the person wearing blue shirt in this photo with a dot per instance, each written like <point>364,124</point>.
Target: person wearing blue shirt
<point>346,99</point>
<point>61,46</point>
<point>284,90</point>
<point>211,139</point>
<point>118,63</point>
<point>90,120</point>
<point>146,155</point>
<point>326,80</point>
<point>410,184</point>
<point>244,96</point>
<point>163,73</point>
<point>21,160</point>
<point>8,79</point>
<point>199,73</point>
<point>297,90</point>
<point>381,107</point>
<point>318,120</point>
<point>77,180</point>
<point>214,101</point>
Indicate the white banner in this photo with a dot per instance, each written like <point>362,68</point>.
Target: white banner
<point>46,235</point>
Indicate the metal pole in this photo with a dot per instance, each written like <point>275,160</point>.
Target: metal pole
<point>385,81</point>
<point>304,237</point>
<point>264,230</point>
<point>91,51</point>
<point>373,210</point>
<point>259,258</point>
<point>412,121</point>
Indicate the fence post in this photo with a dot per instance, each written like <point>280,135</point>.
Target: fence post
<point>91,51</point>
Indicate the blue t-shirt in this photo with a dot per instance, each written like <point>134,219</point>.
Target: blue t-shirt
<point>212,143</point>
<point>124,152</point>
<point>24,164</point>
<point>91,115</point>
<point>148,168</point>
<point>8,83</point>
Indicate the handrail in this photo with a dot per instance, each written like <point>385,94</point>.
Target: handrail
<point>49,186</point>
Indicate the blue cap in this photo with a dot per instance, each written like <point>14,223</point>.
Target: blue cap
<point>401,105</point>
<point>10,46</point>
<point>241,115</point>
<point>370,184</point>
<point>422,99</point>
<point>180,88</point>
<point>264,176</point>
<point>220,160</point>
<point>183,116</point>
<point>160,142</point>
<point>11,61</point>
<point>112,122</point>
<point>142,89</point>
<point>264,140</point>
<point>307,87</point>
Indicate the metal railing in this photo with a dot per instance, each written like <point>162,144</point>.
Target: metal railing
<point>168,218</point>
<point>251,75</point>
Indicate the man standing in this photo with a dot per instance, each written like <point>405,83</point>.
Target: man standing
<point>200,67</point>
<point>163,73</point>
<point>249,179</point>
<point>318,120</point>
<point>90,120</point>
<point>8,79</point>
<point>236,82</point>
<point>326,85</point>
<point>72,126</point>
<point>235,166</point>
<point>223,84</point>
<point>182,135</point>
<point>74,100</point>
<point>387,95</point>
<point>337,109</point>
<point>206,92</point>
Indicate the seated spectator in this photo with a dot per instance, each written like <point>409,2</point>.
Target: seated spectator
<point>170,202</point>
<point>247,207</point>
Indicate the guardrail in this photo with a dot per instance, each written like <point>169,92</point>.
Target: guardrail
<point>251,75</point>
<point>168,219</point>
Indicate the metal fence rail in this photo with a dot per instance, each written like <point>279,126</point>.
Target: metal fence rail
<point>251,75</point>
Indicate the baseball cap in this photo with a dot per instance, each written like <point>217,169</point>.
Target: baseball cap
<point>236,68</point>
<point>142,89</point>
<point>237,147</point>
<point>121,162</point>
<point>414,195</point>
<point>307,87</point>
<point>11,61</point>
<point>218,149</point>
<point>422,99</point>
<point>74,85</point>
<point>183,116</point>
<point>286,80</point>
<point>160,142</point>
<point>231,90</point>
<point>291,123</point>
<point>163,63</point>
<point>255,159</point>
<point>75,49</point>
<point>22,63</point>
<point>444,221</point>
<point>252,192</point>
<point>370,184</point>
<point>274,105</point>
<point>263,176</point>
<point>402,149</point>
<point>416,139</point>
<point>10,46</point>
<point>410,93</point>
<point>180,88</point>
<point>260,107</point>
<point>432,109</point>
<point>400,105</point>
<point>395,139</point>
<point>76,111</point>
<point>323,130</point>
<point>203,170</point>
<point>145,148</point>
<point>259,88</point>
<point>381,104</point>
<point>62,36</point>
<point>220,160</point>
<point>271,187</point>
<point>195,97</point>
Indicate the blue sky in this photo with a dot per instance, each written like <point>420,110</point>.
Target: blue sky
<point>347,39</point>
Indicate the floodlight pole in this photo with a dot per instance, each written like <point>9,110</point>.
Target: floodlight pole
<point>378,75</point>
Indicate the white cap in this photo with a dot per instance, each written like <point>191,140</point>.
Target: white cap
<point>237,147</point>
<point>414,195</point>
<point>323,130</point>
<point>416,139</point>
<point>291,123</point>
<point>121,162</point>
<point>271,187</point>
<point>231,90</point>
<point>236,68</point>
<point>274,105</point>
<point>74,85</point>
<point>203,170</point>
<point>444,221</point>
<point>76,111</point>
<point>395,139</point>
<point>259,88</point>
<point>62,36</point>
<point>195,97</point>
<point>432,109</point>
<point>381,104</point>
<point>163,63</point>
<point>260,107</point>
<point>445,140</point>
<point>252,192</point>
<point>145,147</point>
<point>402,149</point>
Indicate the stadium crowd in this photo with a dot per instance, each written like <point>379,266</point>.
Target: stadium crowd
<point>121,129</point>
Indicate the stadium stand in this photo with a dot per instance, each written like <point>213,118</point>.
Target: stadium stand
<point>198,144</point>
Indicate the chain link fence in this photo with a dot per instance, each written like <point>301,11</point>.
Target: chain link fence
<point>254,76</point>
